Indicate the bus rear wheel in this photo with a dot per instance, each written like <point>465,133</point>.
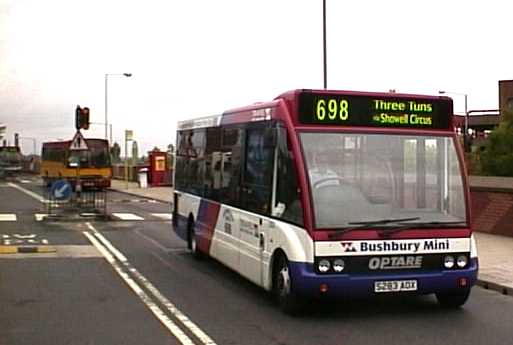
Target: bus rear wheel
<point>454,299</point>
<point>282,287</point>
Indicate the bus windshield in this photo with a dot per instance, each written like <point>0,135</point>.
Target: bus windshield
<point>95,157</point>
<point>369,177</point>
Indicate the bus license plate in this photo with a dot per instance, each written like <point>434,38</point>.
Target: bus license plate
<point>395,285</point>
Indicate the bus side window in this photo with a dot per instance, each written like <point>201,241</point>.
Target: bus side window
<point>212,181</point>
<point>257,186</point>
<point>230,164</point>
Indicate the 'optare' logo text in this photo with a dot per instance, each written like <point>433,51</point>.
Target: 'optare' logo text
<point>395,262</point>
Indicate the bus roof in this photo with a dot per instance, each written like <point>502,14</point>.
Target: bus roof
<point>344,108</point>
<point>66,143</point>
<point>294,93</point>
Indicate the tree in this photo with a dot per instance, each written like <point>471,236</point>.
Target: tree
<point>497,156</point>
<point>115,152</point>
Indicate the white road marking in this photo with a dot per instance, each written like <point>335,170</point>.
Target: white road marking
<point>127,216</point>
<point>22,239</point>
<point>205,339</point>
<point>40,216</point>
<point>166,321</point>
<point>166,216</point>
<point>7,217</point>
<point>25,181</point>
<point>28,192</point>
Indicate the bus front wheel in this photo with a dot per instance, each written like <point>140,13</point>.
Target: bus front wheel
<point>453,300</point>
<point>282,287</point>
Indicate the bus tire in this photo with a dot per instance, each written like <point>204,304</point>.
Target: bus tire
<point>192,243</point>
<point>282,287</point>
<point>453,300</point>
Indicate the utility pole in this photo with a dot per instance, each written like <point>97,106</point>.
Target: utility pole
<point>324,43</point>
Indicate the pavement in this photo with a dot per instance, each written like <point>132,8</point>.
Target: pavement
<point>495,252</point>
<point>164,194</point>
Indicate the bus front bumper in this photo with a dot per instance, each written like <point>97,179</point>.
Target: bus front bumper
<point>307,282</point>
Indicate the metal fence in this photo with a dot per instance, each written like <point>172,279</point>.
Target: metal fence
<point>91,203</point>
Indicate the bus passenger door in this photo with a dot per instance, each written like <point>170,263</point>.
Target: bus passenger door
<point>250,247</point>
<point>256,190</point>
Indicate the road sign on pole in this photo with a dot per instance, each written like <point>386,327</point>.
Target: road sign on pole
<point>78,143</point>
<point>61,190</point>
<point>129,136</point>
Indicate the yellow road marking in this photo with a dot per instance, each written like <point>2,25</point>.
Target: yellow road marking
<point>26,249</point>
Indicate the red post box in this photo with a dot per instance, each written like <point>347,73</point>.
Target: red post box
<point>158,175</point>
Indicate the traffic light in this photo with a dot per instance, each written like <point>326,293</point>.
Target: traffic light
<point>78,112</point>
<point>81,118</point>
<point>85,118</point>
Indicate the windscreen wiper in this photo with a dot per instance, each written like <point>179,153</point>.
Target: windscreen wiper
<point>384,221</point>
<point>418,225</point>
<point>373,223</point>
<point>437,224</point>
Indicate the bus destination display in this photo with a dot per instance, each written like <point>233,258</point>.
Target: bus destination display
<point>374,111</point>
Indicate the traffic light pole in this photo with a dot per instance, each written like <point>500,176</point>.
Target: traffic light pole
<point>126,163</point>
<point>106,118</point>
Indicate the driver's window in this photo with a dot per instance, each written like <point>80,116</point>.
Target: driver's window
<point>288,198</point>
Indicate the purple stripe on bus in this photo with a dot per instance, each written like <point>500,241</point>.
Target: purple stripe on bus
<point>205,224</point>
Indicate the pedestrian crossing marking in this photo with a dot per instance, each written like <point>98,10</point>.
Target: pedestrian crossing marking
<point>7,217</point>
<point>166,216</point>
<point>40,216</point>
<point>127,216</point>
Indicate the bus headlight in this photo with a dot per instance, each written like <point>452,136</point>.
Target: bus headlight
<point>462,261</point>
<point>324,266</point>
<point>338,265</point>
<point>448,261</point>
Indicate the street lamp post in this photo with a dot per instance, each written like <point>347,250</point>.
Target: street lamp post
<point>106,88</point>
<point>465,134</point>
<point>325,63</point>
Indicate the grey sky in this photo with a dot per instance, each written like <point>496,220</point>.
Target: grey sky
<point>194,58</point>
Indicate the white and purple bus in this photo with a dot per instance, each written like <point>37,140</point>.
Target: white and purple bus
<point>330,193</point>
